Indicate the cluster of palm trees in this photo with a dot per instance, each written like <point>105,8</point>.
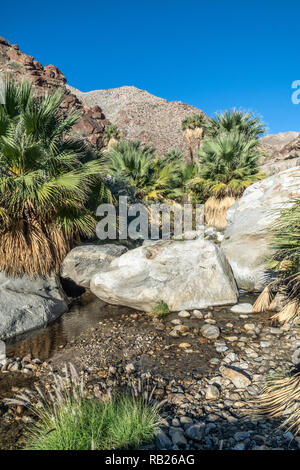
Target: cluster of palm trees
<point>51,182</point>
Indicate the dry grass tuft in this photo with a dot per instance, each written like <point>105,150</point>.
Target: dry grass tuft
<point>215,211</point>
<point>263,302</point>
<point>281,399</point>
<point>290,311</point>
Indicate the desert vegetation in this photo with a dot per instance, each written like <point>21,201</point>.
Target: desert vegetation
<point>68,420</point>
<point>47,177</point>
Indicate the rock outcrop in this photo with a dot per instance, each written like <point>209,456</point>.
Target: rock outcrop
<point>19,65</point>
<point>282,151</point>
<point>83,262</point>
<point>142,116</point>
<point>184,274</point>
<point>246,239</point>
<point>27,304</point>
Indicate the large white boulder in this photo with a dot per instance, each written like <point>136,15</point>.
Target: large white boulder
<point>27,304</point>
<point>247,237</point>
<point>185,275</point>
<point>84,261</point>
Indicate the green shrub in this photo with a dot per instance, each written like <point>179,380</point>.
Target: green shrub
<point>160,309</point>
<point>68,420</point>
<point>118,423</point>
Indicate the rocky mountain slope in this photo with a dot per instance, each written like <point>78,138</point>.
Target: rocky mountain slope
<point>20,66</point>
<point>143,116</point>
<point>282,151</point>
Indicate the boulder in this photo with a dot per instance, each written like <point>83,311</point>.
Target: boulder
<point>247,237</point>
<point>185,275</point>
<point>27,304</point>
<point>83,262</point>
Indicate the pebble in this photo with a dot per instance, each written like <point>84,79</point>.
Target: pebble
<point>242,308</point>
<point>184,314</point>
<point>210,331</point>
<point>212,392</point>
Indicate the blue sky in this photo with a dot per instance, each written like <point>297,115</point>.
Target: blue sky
<point>213,55</point>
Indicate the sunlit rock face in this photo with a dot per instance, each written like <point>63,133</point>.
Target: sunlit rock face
<point>185,275</point>
<point>247,237</point>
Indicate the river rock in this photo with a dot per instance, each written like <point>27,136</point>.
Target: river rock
<point>84,261</point>
<point>210,331</point>
<point>186,275</point>
<point>27,304</point>
<point>242,308</point>
<point>247,237</point>
<point>236,376</point>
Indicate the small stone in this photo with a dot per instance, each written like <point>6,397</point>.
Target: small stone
<point>130,368</point>
<point>197,314</point>
<point>212,392</point>
<point>162,440</point>
<point>112,370</point>
<point>184,345</point>
<point>249,326</point>
<point>242,308</point>
<point>238,378</point>
<point>186,420</point>
<point>184,314</point>
<point>178,439</point>
<point>210,331</point>
<point>241,435</point>
<point>176,321</point>
<point>195,432</point>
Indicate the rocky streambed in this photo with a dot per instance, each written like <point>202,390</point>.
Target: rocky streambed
<point>207,364</point>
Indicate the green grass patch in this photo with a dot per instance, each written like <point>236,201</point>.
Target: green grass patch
<point>122,422</point>
<point>160,309</point>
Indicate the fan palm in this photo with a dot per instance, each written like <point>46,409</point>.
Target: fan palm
<point>236,121</point>
<point>150,177</point>
<point>111,136</point>
<point>46,178</point>
<point>285,261</point>
<point>193,127</point>
<point>227,166</point>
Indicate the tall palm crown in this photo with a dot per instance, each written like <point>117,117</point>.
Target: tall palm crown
<point>45,180</point>
<point>194,126</point>
<point>228,164</point>
<point>111,132</point>
<point>236,121</point>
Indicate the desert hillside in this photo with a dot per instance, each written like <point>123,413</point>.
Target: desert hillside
<point>143,116</point>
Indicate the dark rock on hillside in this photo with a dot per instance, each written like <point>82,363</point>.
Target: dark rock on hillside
<point>143,116</point>
<point>19,65</point>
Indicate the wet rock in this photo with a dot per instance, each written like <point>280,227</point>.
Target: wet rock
<point>242,308</point>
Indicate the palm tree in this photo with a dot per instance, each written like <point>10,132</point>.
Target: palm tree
<point>111,136</point>
<point>46,178</point>
<point>285,262</point>
<point>236,121</point>
<point>227,166</point>
<point>147,175</point>
<point>193,127</point>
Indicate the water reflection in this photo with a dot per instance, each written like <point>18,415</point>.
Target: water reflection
<point>43,343</point>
